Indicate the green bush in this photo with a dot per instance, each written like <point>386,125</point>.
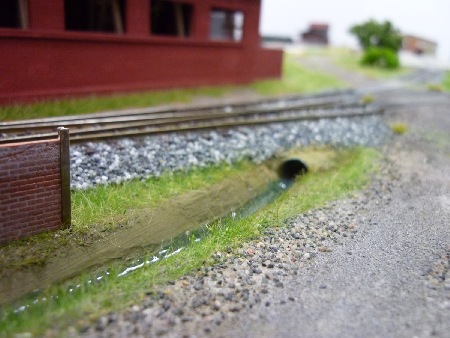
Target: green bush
<point>380,57</point>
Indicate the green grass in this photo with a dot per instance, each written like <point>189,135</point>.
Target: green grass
<point>106,206</point>
<point>87,303</point>
<point>446,82</point>
<point>351,173</point>
<point>77,106</point>
<point>295,79</point>
<point>350,60</point>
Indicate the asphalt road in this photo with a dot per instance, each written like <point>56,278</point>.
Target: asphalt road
<point>392,279</point>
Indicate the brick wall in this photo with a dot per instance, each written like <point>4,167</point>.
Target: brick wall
<point>47,61</point>
<point>31,188</point>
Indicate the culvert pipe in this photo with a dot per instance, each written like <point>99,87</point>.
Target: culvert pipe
<point>291,168</point>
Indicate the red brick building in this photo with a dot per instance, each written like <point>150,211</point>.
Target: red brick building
<point>74,47</point>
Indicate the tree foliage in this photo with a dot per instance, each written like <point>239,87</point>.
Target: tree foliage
<point>375,34</point>
<point>381,43</point>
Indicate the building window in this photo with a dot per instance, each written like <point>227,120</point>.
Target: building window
<point>226,25</point>
<point>14,14</point>
<point>170,18</point>
<point>95,15</point>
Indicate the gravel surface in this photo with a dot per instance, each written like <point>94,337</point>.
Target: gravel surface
<point>373,265</point>
<point>241,281</point>
<point>116,161</point>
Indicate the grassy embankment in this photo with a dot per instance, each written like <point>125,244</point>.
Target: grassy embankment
<point>106,206</point>
<point>295,80</point>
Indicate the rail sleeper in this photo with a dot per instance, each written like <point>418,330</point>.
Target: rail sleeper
<point>34,187</point>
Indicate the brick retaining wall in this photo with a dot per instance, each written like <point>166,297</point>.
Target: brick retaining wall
<point>34,187</point>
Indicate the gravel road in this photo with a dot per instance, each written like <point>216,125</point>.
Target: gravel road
<point>375,265</point>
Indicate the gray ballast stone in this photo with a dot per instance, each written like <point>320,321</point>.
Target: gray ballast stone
<point>139,158</point>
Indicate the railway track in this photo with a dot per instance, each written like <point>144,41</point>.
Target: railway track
<point>136,122</point>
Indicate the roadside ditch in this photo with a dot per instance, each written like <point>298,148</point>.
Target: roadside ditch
<point>148,230</point>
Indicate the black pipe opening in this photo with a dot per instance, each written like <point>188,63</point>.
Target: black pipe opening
<point>292,168</point>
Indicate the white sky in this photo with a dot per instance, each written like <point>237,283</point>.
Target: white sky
<point>429,19</point>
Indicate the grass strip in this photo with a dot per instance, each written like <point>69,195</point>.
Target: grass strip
<point>295,79</point>
<point>63,309</point>
<point>106,206</point>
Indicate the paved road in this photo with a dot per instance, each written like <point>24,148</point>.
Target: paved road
<point>392,279</point>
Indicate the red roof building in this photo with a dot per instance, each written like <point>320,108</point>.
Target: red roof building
<point>75,47</point>
<point>419,45</point>
<point>316,34</point>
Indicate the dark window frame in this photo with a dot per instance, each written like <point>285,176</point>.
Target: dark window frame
<point>16,20</point>
<point>173,19</point>
<point>95,16</point>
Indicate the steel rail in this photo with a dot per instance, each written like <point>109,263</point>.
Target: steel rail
<point>156,118</point>
<point>152,115</point>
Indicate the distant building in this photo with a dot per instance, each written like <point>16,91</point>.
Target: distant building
<point>419,45</point>
<point>75,47</point>
<point>316,34</point>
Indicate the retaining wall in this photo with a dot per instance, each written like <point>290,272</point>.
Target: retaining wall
<point>34,187</point>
